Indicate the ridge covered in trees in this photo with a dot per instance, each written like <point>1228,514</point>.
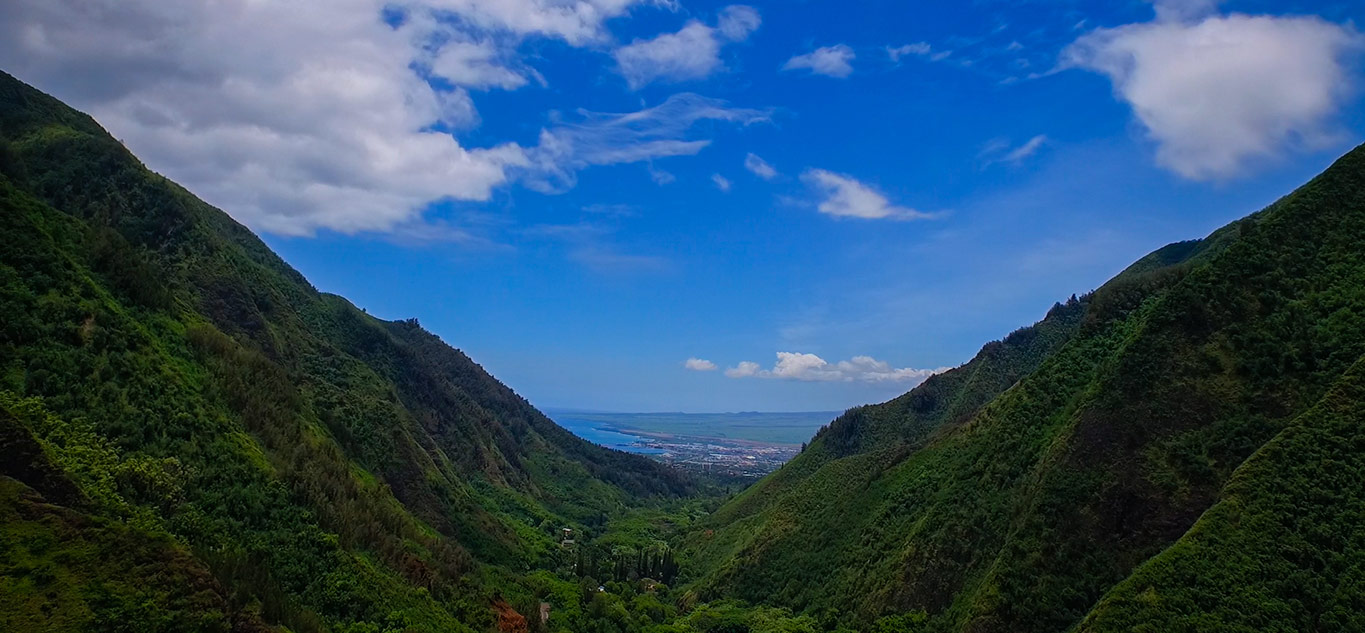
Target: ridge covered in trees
<point>192,438</point>
<point>1178,450</point>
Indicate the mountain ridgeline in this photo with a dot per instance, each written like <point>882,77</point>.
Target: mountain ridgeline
<point>192,438</point>
<point>1181,450</point>
<point>261,452</point>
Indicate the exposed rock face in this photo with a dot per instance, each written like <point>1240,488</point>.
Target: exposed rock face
<point>509,621</point>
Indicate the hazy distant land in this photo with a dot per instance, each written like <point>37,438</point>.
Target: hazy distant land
<point>741,443</point>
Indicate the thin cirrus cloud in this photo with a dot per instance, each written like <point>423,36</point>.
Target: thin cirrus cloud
<point>917,49</point>
<point>699,364</point>
<point>721,182</point>
<point>691,53</point>
<point>606,138</point>
<point>1001,150</point>
<point>830,61</point>
<point>843,196</point>
<point>1219,93</point>
<point>812,368</point>
<point>325,118</point>
<point>759,167</point>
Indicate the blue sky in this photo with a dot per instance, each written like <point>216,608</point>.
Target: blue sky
<point>584,197</point>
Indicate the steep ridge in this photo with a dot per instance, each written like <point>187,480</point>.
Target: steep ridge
<point>193,438</point>
<point>1020,514</point>
<point>319,467</point>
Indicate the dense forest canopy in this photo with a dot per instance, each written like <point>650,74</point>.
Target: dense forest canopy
<point>193,438</point>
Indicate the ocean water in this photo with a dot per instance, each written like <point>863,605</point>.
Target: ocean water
<point>594,431</point>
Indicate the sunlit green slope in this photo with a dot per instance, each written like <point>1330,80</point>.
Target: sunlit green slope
<point>257,452</point>
<point>1096,440</point>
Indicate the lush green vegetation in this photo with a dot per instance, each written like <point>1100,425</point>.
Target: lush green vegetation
<point>1015,492</point>
<point>193,438</point>
<point>294,461</point>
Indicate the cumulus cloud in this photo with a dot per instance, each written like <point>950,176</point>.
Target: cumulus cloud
<point>1217,93</point>
<point>698,364</point>
<point>325,115</point>
<point>831,61</point>
<point>812,368</point>
<point>691,53</point>
<point>843,196</point>
<point>759,167</point>
<point>743,370</point>
<point>722,183</point>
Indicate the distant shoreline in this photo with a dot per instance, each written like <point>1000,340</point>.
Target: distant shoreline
<point>748,430</point>
<point>659,435</point>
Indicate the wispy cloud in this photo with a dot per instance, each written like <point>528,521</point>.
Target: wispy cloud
<point>759,167</point>
<point>844,196</point>
<point>691,53</point>
<point>590,244</point>
<point>812,368</point>
<point>919,49</point>
<point>1000,150</point>
<point>616,210</point>
<point>603,260</point>
<point>600,138</point>
<point>722,183</point>
<point>830,61</point>
<point>660,176</point>
<point>476,64</point>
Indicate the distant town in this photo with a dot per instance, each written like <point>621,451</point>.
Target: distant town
<point>731,444</point>
<point>740,459</point>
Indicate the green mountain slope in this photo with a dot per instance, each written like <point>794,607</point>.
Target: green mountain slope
<point>291,459</point>
<point>192,438</point>
<point>1016,506</point>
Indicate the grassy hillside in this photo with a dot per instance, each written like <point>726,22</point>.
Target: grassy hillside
<point>1004,505</point>
<point>300,462</point>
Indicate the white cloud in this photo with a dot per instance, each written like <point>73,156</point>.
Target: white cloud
<point>922,49</point>
<point>661,177</point>
<point>475,65</point>
<point>759,167</point>
<point>1000,150</point>
<point>322,116</point>
<point>736,22</point>
<point>743,369</point>
<point>1029,148</point>
<point>606,138</point>
<point>698,364</point>
<point>1184,9</point>
<point>1217,93</point>
<point>812,368</point>
<point>577,23</point>
<point>843,196</point>
<point>831,61</point>
<point>722,183</point>
<point>691,53</point>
